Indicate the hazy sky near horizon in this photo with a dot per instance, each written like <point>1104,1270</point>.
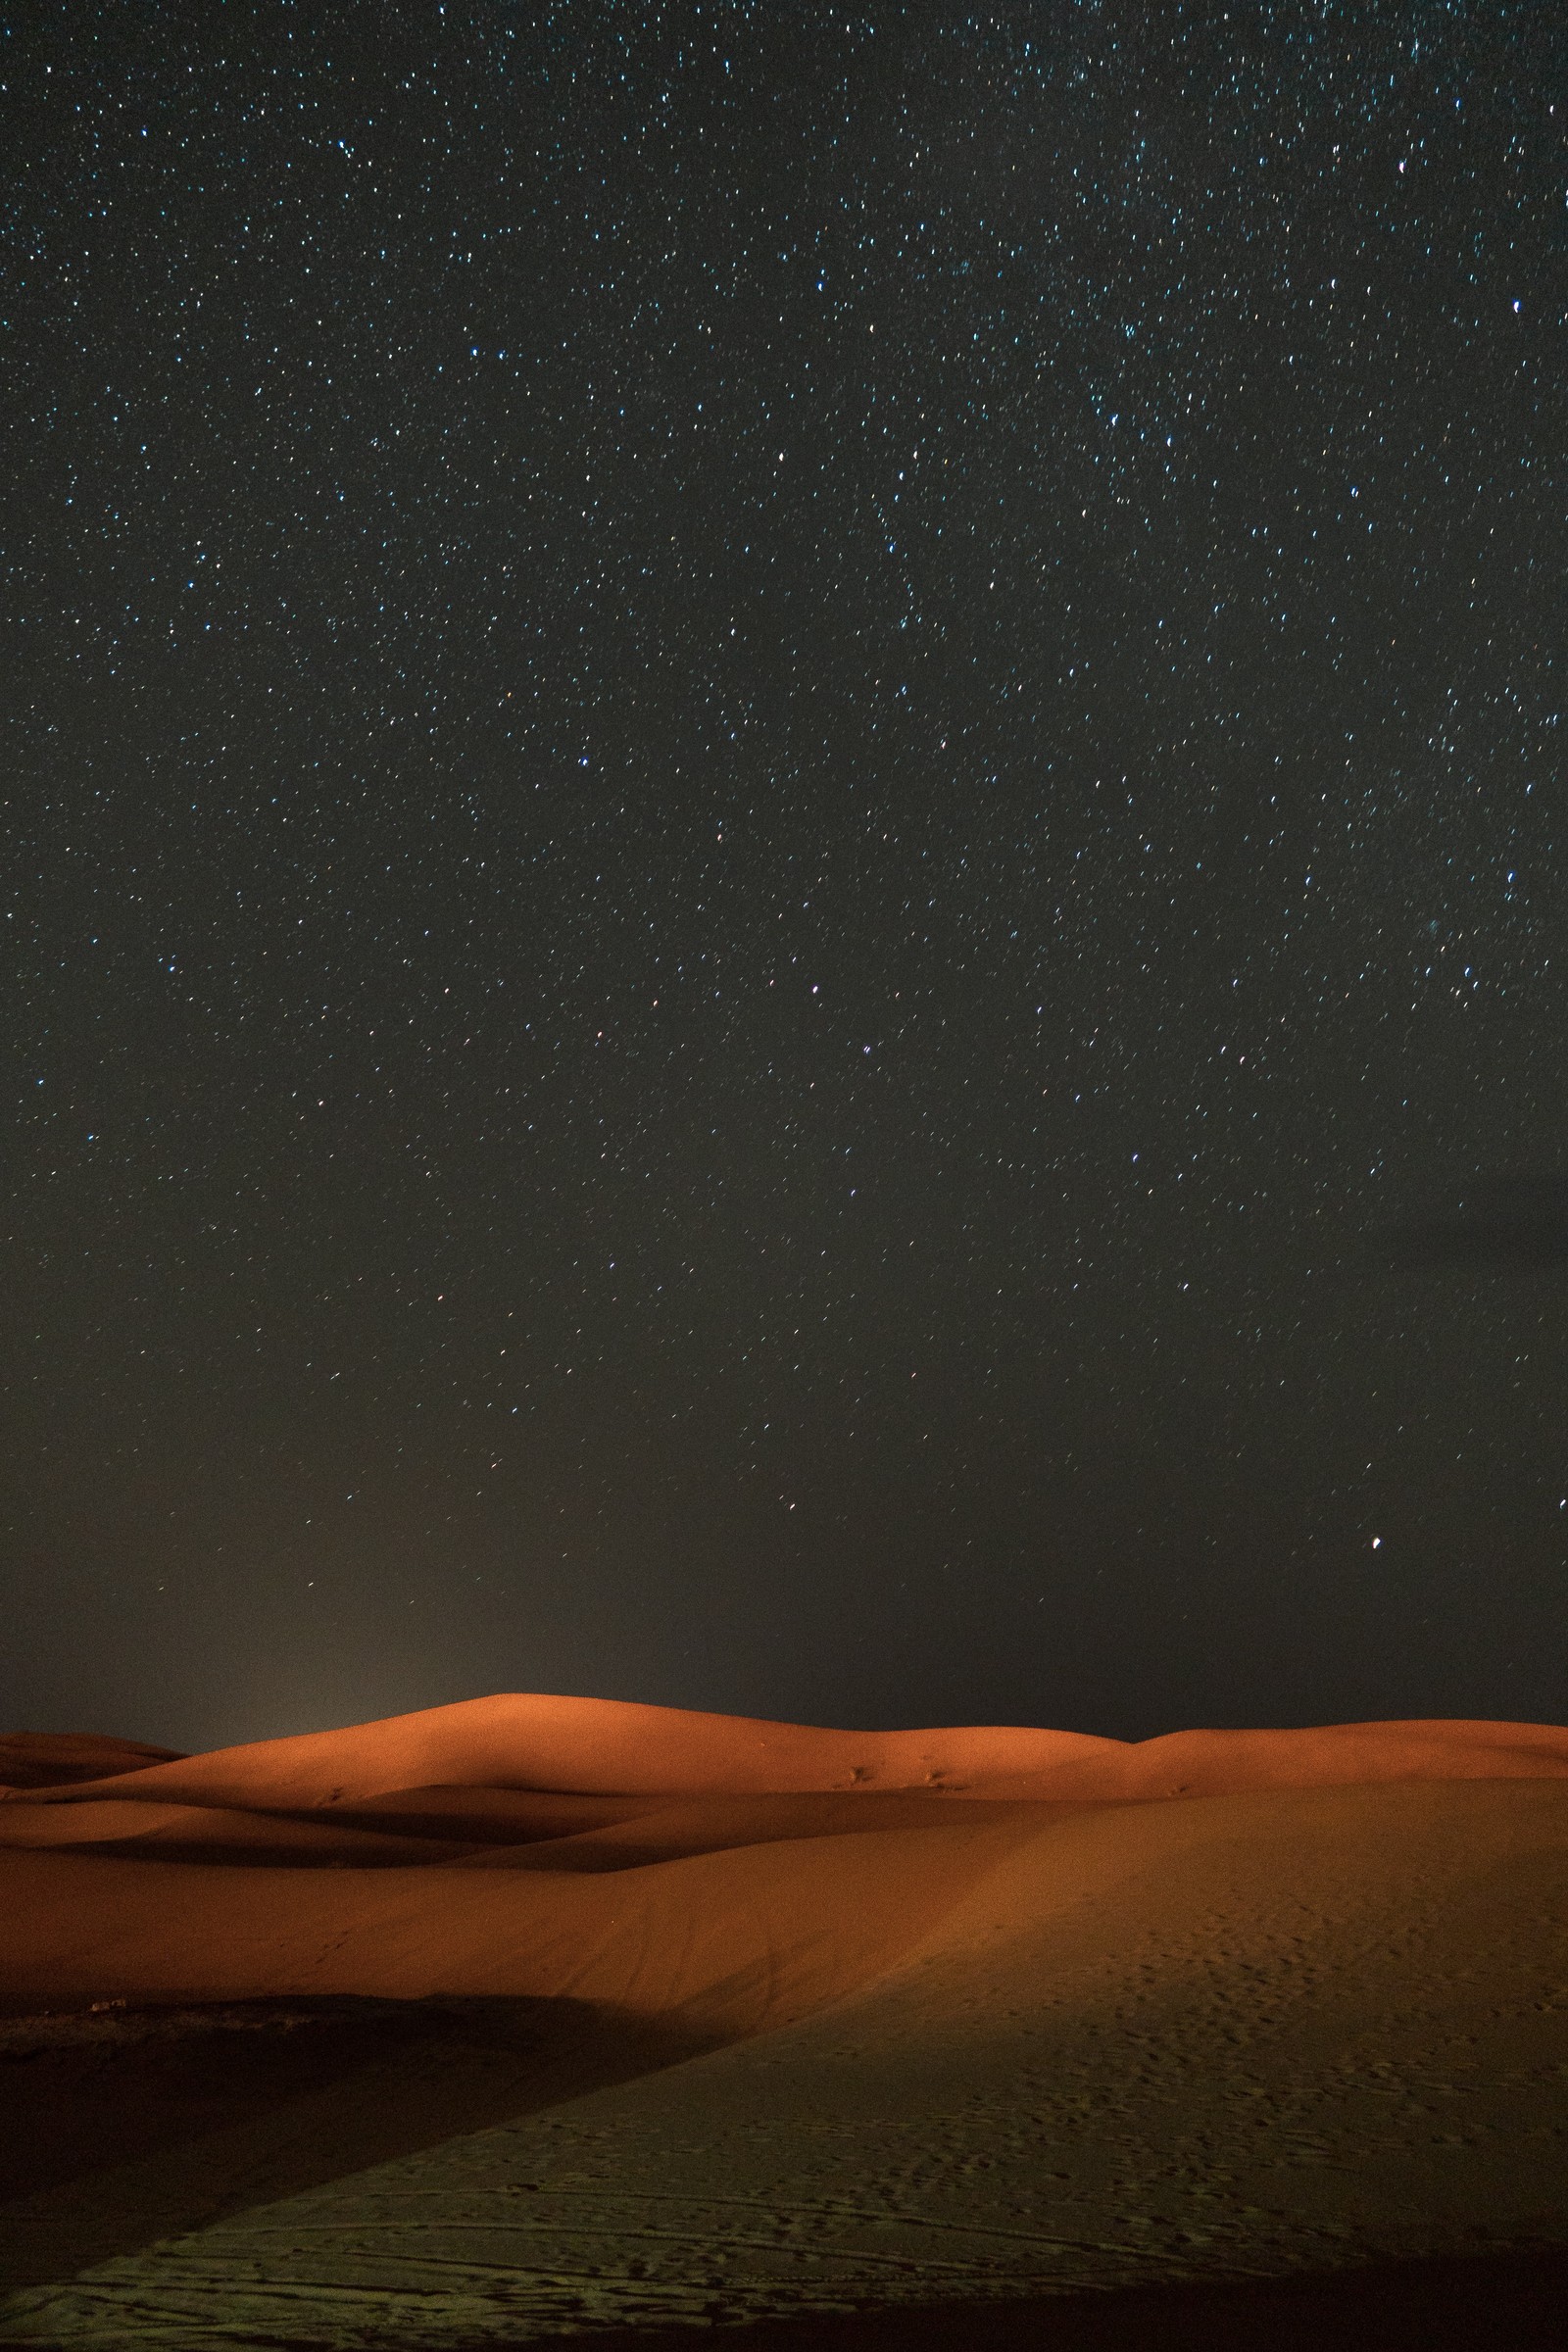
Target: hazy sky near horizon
<point>772,775</point>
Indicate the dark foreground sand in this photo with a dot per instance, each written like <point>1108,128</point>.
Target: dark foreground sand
<point>505,2021</point>
<point>1512,2303</point>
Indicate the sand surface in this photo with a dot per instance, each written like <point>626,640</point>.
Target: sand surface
<point>509,2019</point>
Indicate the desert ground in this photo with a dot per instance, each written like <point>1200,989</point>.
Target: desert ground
<point>530,2016</point>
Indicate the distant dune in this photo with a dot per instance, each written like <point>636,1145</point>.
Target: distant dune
<point>595,1746</point>
<point>507,2019</point>
<point>54,1759</point>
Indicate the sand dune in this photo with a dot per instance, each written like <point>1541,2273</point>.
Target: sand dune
<point>728,1942</point>
<point>588,1746</point>
<point>641,2018</point>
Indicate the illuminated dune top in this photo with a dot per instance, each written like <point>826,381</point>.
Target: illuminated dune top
<point>611,1748</point>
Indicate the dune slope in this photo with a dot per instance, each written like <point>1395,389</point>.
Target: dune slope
<point>877,2047</point>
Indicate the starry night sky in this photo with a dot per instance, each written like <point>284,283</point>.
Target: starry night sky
<point>776,781</point>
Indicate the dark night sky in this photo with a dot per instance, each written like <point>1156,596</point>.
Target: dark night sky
<point>774,782</point>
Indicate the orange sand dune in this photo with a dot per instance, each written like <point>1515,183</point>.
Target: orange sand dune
<point>609,1747</point>
<point>484,1828</point>
<point>978,2014</point>
<point>726,1942</point>
<point>1267,2034</point>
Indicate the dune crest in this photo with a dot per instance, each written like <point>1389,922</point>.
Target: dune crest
<point>609,1747</point>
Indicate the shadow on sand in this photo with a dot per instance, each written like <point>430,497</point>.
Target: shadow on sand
<point>126,2126</point>
<point>1513,2302</point>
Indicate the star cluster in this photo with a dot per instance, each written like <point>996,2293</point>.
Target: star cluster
<point>767,772</point>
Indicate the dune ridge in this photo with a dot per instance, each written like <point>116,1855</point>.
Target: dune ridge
<point>545,1744</point>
